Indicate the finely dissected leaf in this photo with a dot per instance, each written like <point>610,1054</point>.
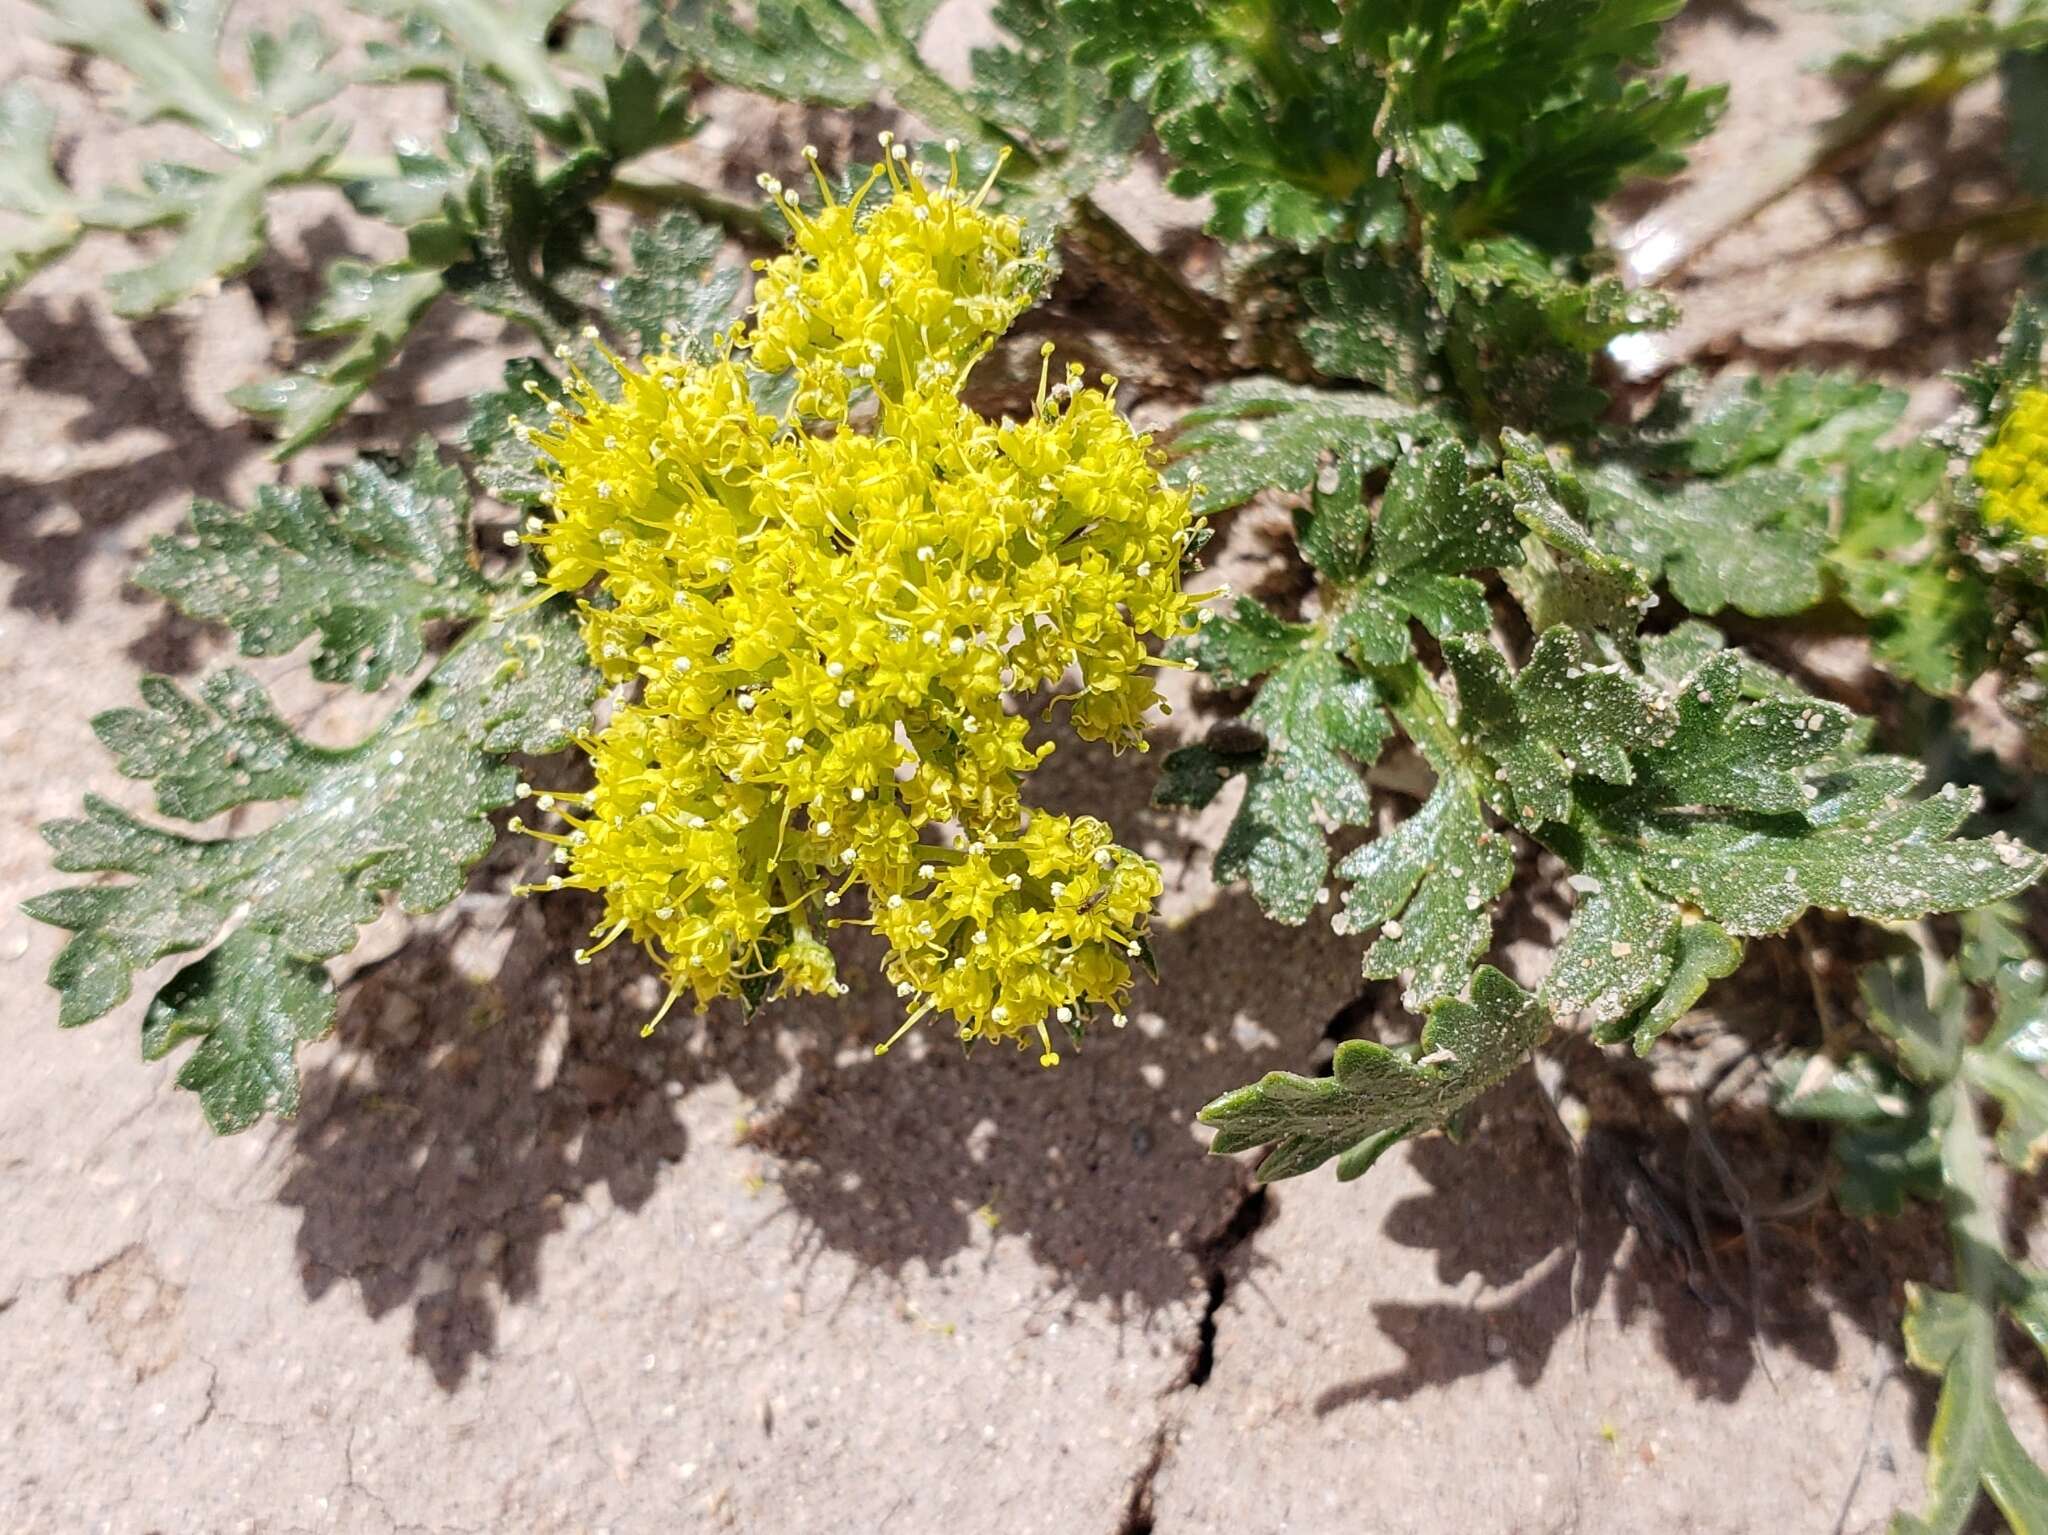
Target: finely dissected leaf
<point>170,55</point>
<point>1429,886</point>
<point>508,41</point>
<point>366,572</point>
<point>1319,718</point>
<point>229,747</point>
<point>1920,1134</point>
<point>375,308</point>
<point>507,464</point>
<point>1898,566</point>
<point>220,215</point>
<point>1571,576</point>
<point>1753,542</point>
<point>2010,1064</point>
<point>1376,1096</point>
<point>1255,433</point>
<point>673,290</point>
<point>1954,1335</point>
<point>403,811</point>
<point>1435,523</point>
<point>250,1004</point>
<point>508,235</point>
<point>1067,130</point>
<point>45,223</point>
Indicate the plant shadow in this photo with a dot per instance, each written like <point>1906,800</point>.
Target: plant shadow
<point>481,1087</point>
<point>1635,1217</point>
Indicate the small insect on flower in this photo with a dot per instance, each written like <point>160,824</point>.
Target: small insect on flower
<point>818,626</point>
<point>2013,470</point>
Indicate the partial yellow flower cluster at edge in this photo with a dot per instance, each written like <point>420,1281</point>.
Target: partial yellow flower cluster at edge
<point>819,629</point>
<point>2013,470</point>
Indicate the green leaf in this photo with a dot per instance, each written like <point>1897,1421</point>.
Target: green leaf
<point>1318,717</point>
<point>1371,319</point>
<point>1567,712</point>
<point>47,223</point>
<point>1066,129</point>
<point>506,39</point>
<point>1701,953</point>
<point>1790,421</point>
<point>174,69</point>
<point>1376,1096</point>
<point>375,308</point>
<point>1747,810</point>
<point>366,573</point>
<point>228,748</point>
<point>220,216</point>
<point>402,811</point>
<point>250,1005</point>
<point>1256,433</point>
<point>1429,886</point>
<point>1031,87</point>
<point>1886,1163</point>
<point>1898,565</point>
<point>1241,648</point>
<point>1753,542</point>
<point>673,289</point>
<point>634,110</point>
<point>507,463</point>
<point>1758,874</point>
<point>1435,522</point>
<point>1572,577</point>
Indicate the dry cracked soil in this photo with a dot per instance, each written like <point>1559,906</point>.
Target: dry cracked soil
<point>515,1269</point>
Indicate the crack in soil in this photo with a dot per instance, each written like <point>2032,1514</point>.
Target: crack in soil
<point>1221,1264</point>
<point>1137,1519</point>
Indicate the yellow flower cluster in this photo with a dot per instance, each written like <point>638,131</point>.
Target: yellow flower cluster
<point>2014,469</point>
<point>821,628</point>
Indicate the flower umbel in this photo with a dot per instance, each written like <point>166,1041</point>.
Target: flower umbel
<point>820,627</point>
<point>2013,470</point>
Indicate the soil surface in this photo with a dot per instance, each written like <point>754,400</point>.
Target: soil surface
<point>514,1268</point>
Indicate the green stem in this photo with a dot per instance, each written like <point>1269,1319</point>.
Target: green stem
<point>1410,692</point>
<point>746,222</point>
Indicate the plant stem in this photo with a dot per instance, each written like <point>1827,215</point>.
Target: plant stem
<point>745,222</point>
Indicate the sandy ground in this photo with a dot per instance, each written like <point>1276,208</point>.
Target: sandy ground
<point>515,1269</point>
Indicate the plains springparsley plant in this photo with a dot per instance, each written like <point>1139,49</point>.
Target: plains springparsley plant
<point>822,627</point>
<point>2013,470</point>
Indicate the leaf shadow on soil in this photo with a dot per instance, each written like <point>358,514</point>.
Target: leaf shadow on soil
<point>1550,1234</point>
<point>483,1086</point>
<point>470,1102</point>
<point>52,522</point>
<point>55,520</point>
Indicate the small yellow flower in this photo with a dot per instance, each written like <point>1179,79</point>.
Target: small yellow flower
<point>2013,470</point>
<point>822,630</point>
